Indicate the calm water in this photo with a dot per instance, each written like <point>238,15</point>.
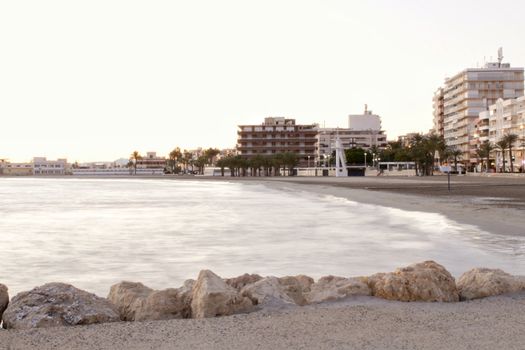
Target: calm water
<point>94,233</point>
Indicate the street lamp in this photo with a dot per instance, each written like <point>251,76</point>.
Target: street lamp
<point>365,160</point>
<point>308,171</point>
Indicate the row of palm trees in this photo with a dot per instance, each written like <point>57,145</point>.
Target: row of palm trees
<point>507,142</point>
<point>424,149</point>
<point>179,160</point>
<point>260,165</point>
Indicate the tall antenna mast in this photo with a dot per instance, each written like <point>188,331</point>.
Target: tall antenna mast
<point>500,55</point>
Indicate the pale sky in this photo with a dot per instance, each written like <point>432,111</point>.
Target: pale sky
<point>96,80</point>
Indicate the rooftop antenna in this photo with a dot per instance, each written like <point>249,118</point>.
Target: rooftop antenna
<point>366,108</point>
<point>500,55</point>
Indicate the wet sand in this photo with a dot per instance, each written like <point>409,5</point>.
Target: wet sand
<point>493,204</point>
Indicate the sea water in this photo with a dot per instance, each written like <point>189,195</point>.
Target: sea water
<point>93,233</point>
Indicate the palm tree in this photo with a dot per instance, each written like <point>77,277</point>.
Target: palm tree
<point>222,163</point>
<point>503,145</point>
<point>483,152</point>
<point>290,160</point>
<point>210,154</point>
<point>135,157</point>
<point>455,153</point>
<point>174,157</point>
<point>510,139</point>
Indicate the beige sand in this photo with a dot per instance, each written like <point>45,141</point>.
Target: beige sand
<point>362,323</point>
<point>366,323</point>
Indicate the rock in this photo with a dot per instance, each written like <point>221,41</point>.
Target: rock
<point>211,297</point>
<point>57,304</point>
<point>481,282</point>
<point>296,287</point>
<point>4,299</point>
<point>128,297</point>
<point>330,288</point>
<point>137,302</point>
<point>267,292</point>
<point>426,281</point>
<point>240,282</point>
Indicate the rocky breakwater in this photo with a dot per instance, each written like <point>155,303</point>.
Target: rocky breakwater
<point>58,304</point>
<point>4,299</point>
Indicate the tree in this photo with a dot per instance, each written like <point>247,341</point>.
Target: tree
<point>186,159</point>
<point>200,163</point>
<point>222,163</point>
<point>510,139</point>
<point>210,154</point>
<point>357,156</point>
<point>455,154</point>
<point>174,157</point>
<point>290,160</point>
<point>135,157</point>
<point>484,151</point>
<point>503,145</point>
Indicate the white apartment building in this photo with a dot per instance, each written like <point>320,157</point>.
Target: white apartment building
<point>365,139</point>
<point>466,95</point>
<point>42,166</point>
<point>503,117</point>
<point>364,131</point>
<point>438,102</point>
<point>365,121</point>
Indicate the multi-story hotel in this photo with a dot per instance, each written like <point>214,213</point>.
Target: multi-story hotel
<point>503,117</point>
<point>278,135</point>
<point>466,95</point>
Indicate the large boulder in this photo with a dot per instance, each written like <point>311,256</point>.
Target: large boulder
<point>57,304</point>
<point>426,281</point>
<point>481,282</point>
<point>4,299</point>
<point>211,297</point>
<point>296,287</point>
<point>128,297</point>
<point>330,288</point>
<point>267,292</point>
<point>137,302</point>
<point>240,282</point>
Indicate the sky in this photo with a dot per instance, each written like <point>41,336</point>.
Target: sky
<point>95,80</point>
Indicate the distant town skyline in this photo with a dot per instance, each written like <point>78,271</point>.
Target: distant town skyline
<point>95,81</point>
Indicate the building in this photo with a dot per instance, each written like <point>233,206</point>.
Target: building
<point>16,169</point>
<point>503,117</point>
<point>439,112</point>
<point>350,138</point>
<point>470,92</point>
<point>151,161</point>
<point>278,135</point>
<point>365,121</point>
<point>364,131</point>
<point>42,166</point>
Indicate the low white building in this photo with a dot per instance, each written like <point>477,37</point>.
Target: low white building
<point>42,166</point>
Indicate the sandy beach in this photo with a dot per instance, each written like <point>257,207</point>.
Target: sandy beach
<point>491,203</point>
